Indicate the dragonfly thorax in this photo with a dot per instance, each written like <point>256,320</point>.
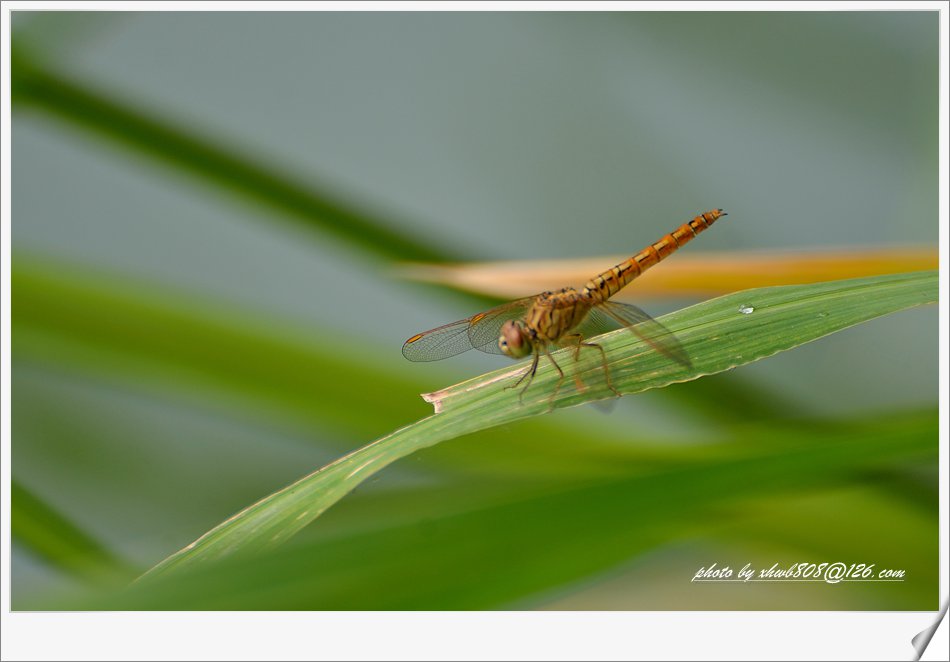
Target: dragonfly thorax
<point>515,340</point>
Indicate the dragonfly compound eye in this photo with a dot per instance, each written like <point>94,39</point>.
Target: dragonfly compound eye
<point>512,340</point>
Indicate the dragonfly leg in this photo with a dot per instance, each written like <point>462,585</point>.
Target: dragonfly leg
<point>528,374</point>
<point>560,380</point>
<point>603,358</point>
<point>578,382</point>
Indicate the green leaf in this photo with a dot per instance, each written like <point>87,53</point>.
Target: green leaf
<point>64,317</point>
<point>35,85</point>
<point>718,335</point>
<point>483,556</point>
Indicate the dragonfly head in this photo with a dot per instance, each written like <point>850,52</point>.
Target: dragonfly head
<point>514,340</point>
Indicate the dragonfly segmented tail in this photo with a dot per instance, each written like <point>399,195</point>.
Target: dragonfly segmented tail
<point>607,284</point>
<point>564,319</point>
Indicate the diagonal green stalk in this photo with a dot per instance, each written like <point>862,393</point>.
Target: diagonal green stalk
<point>49,534</point>
<point>38,86</point>
<point>719,334</point>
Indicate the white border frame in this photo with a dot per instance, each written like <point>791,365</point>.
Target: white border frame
<point>465,635</point>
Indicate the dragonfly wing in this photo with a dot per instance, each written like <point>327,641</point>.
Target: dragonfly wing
<point>485,328</point>
<point>594,324</point>
<point>457,337</point>
<point>645,327</point>
<point>440,343</point>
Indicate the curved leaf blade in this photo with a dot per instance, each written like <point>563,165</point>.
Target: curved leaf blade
<point>717,334</point>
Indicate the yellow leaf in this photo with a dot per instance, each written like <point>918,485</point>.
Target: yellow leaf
<point>696,275</point>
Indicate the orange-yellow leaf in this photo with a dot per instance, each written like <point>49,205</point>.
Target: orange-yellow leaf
<point>696,275</point>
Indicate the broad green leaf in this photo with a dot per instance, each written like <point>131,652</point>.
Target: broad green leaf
<point>491,555</point>
<point>718,335</point>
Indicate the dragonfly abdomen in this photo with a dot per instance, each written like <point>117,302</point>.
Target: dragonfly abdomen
<point>607,284</point>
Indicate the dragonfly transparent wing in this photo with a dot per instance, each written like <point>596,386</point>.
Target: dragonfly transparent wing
<point>485,328</point>
<point>610,314</point>
<point>479,331</point>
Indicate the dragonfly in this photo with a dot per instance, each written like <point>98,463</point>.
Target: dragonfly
<point>566,318</point>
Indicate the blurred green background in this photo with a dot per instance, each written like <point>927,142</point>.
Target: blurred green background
<point>208,209</point>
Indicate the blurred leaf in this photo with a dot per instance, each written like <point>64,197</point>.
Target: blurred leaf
<point>34,85</point>
<point>487,557</point>
<point>162,340</point>
<point>716,335</point>
<point>698,275</point>
<point>841,521</point>
<point>63,318</point>
<point>38,527</point>
<point>728,398</point>
<point>843,524</point>
<point>56,36</point>
<point>917,486</point>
